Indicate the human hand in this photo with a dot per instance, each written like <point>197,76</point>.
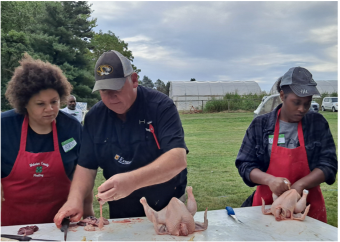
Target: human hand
<point>298,187</point>
<point>279,185</point>
<point>116,187</point>
<point>72,209</point>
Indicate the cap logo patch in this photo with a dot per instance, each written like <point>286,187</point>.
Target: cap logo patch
<point>104,70</point>
<point>303,91</point>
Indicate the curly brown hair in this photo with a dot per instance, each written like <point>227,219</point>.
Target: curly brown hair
<point>30,78</point>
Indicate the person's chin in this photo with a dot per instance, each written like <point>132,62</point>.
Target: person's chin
<point>297,118</point>
<point>118,109</point>
<point>48,118</point>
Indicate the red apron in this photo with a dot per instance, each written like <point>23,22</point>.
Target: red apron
<point>37,186</point>
<point>293,165</point>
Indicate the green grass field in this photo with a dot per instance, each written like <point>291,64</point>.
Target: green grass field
<point>214,140</point>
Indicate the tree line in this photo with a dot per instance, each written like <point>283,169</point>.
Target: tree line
<point>62,34</point>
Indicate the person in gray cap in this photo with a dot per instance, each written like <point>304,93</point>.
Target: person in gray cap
<point>289,148</point>
<point>135,135</point>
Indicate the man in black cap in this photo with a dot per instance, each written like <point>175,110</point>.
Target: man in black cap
<point>135,135</point>
<point>289,146</point>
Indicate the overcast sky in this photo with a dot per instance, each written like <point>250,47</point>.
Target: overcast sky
<point>225,41</point>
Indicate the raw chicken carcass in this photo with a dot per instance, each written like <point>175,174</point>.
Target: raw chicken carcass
<point>176,218</point>
<point>289,205</point>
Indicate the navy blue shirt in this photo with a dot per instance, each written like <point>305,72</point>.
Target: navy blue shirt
<point>120,146</point>
<point>319,144</point>
<point>11,123</point>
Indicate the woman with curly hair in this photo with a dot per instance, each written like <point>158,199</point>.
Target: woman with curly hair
<point>40,145</point>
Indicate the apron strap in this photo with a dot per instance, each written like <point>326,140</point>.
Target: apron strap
<point>23,137</point>
<point>277,130</point>
<point>55,136</point>
<point>300,135</point>
<point>24,129</point>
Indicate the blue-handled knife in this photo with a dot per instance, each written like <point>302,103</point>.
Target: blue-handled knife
<point>231,213</point>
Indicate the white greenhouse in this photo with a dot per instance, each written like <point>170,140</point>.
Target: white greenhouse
<point>188,94</point>
<point>322,86</point>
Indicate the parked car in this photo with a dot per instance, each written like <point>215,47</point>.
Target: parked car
<point>330,103</point>
<point>270,102</point>
<point>314,106</point>
<point>267,104</point>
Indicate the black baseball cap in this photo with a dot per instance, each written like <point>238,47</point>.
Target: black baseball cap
<point>111,71</point>
<point>300,81</point>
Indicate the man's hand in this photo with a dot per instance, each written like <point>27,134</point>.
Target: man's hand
<point>278,185</point>
<point>74,209</point>
<point>116,187</point>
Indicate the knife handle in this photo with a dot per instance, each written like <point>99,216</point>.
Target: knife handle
<point>230,210</point>
<point>16,237</point>
<point>65,224</point>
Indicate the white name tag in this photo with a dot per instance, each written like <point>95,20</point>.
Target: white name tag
<point>280,141</point>
<point>68,144</point>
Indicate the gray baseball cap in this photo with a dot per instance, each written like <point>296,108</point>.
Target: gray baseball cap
<point>300,81</point>
<point>111,71</point>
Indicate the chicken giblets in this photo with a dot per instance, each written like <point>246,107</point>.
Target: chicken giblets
<point>176,218</point>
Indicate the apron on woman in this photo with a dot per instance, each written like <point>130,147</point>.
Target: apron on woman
<point>37,186</point>
<point>293,165</point>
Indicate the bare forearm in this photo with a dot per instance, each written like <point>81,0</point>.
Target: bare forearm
<point>277,185</point>
<point>259,177</point>
<point>313,179</point>
<point>82,184</point>
<point>161,170</point>
<point>88,205</point>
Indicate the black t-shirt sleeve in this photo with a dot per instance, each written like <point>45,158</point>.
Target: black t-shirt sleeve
<point>87,157</point>
<point>170,130</point>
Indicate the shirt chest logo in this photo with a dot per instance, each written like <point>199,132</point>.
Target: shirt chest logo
<point>38,168</point>
<point>121,160</point>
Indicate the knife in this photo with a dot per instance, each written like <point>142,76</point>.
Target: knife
<point>231,213</point>
<point>23,238</point>
<point>64,226</point>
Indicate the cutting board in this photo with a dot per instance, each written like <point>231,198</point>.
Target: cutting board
<point>255,227</point>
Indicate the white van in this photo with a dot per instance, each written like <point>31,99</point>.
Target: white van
<point>330,103</point>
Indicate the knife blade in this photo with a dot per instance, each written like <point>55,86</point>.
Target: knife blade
<point>64,226</point>
<point>231,213</point>
<point>23,238</point>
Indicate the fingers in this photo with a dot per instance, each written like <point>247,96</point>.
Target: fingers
<point>107,185</point>
<point>74,217</point>
<point>287,182</point>
<point>279,185</point>
<point>109,195</point>
<point>58,218</point>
